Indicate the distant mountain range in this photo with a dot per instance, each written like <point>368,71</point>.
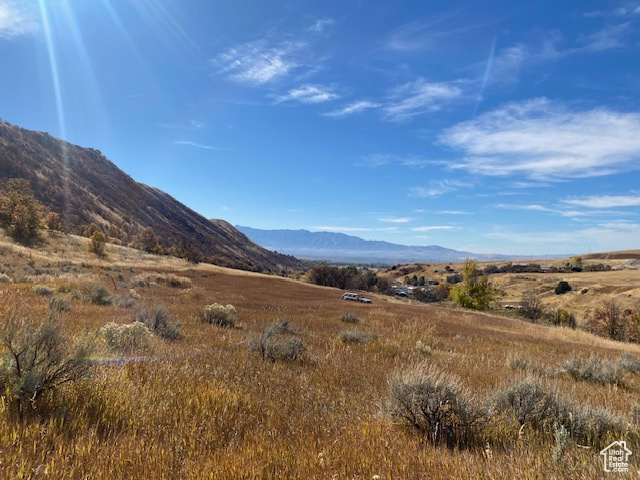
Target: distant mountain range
<point>85,188</point>
<point>338,247</point>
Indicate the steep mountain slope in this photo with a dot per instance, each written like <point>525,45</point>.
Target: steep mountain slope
<point>86,188</point>
<point>341,247</point>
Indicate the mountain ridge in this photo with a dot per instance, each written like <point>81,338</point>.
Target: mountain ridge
<point>333,246</point>
<point>86,188</point>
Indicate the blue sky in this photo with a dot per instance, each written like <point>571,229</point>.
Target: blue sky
<point>505,127</point>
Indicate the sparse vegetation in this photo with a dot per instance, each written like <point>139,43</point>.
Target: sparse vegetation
<point>349,318</point>
<point>357,336</point>
<point>96,293</point>
<point>434,403</point>
<point>593,369</point>
<point>562,318</point>
<point>204,404</point>
<point>39,357</point>
<point>173,281</point>
<point>158,320</point>
<point>127,338</point>
<point>219,315</point>
<point>59,305</point>
<point>43,290</point>
<point>608,321</point>
<point>278,341</point>
<point>531,307</point>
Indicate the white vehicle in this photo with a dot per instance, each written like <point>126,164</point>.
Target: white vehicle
<point>356,297</point>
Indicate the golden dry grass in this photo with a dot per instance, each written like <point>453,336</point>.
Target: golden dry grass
<point>205,407</point>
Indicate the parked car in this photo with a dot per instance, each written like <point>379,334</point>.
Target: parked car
<point>356,297</point>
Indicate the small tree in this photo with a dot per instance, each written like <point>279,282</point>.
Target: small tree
<point>20,211</point>
<point>531,306</point>
<point>607,320</point>
<point>475,291</point>
<point>563,318</point>
<point>148,241</point>
<point>54,223</point>
<point>97,243</point>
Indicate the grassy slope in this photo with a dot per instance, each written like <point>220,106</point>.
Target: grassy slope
<point>207,407</point>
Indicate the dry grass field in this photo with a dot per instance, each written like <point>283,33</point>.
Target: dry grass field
<point>205,406</point>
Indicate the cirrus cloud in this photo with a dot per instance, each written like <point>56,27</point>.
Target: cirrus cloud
<point>544,140</point>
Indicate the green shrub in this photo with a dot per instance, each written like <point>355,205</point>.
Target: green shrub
<point>59,305</point>
<point>562,318</point>
<point>630,363</point>
<point>220,315</point>
<point>560,441</point>
<point>127,337</point>
<point>278,341</point>
<point>349,318</point>
<point>96,293</point>
<point>593,369</point>
<point>634,413</point>
<point>38,358</point>
<point>141,280</point>
<point>562,287</point>
<point>356,336</point>
<point>158,321</point>
<point>123,302</point>
<point>531,404</point>
<point>174,281</point>
<point>44,291</point>
<point>97,243</point>
<point>434,403</point>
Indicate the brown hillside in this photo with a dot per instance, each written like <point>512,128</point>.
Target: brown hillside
<point>621,255</point>
<point>85,187</point>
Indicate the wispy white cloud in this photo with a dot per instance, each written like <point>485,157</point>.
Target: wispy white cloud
<point>260,62</point>
<point>611,36</point>
<point>321,25</point>
<point>15,20</point>
<point>339,229</point>
<point>189,143</point>
<point>424,34</point>
<point>353,108</point>
<point>419,97</point>
<point>438,188</point>
<point>432,228</point>
<point>509,62</point>
<point>453,212</point>
<point>309,94</point>
<point>383,159</point>
<point>606,236</point>
<point>605,201</point>
<point>541,139</point>
<point>395,219</point>
<point>535,207</point>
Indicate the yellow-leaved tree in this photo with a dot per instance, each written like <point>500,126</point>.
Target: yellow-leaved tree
<point>475,291</point>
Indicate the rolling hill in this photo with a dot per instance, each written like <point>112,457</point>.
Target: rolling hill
<point>86,188</point>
